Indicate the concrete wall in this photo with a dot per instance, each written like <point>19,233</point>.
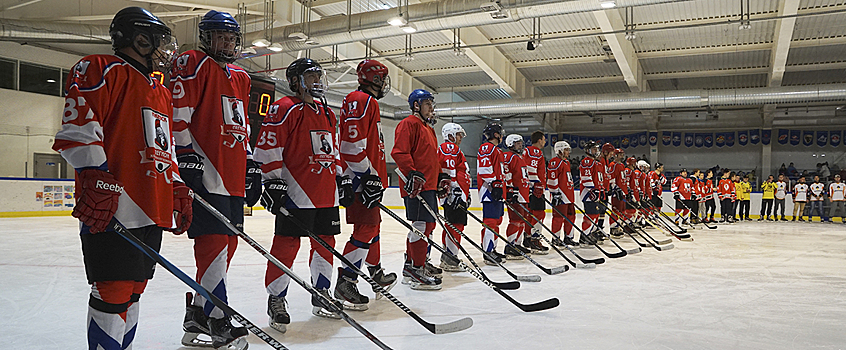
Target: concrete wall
<point>28,123</point>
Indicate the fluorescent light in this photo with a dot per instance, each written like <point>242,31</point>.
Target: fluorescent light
<point>397,21</point>
<point>261,43</point>
<point>608,4</point>
<point>275,48</point>
<point>51,80</point>
<point>409,28</point>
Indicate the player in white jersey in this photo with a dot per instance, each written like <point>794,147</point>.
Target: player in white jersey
<point>800,198</point>
<point>817,192</point>
<point>836,194</point>
<point>780,195</point>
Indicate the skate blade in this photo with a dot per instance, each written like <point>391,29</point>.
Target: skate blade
<point>387,289</point>
<point>451,268</point>
<point>280,327</point>
<point>540,252</point>
<point>321,312</point>
<point>421,286</point>
<point>354,307</point>
<point>237,344</point>
<point>193,340</point>
<point>513,257</point>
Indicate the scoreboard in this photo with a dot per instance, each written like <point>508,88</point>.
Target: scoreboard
<point>262,94</point>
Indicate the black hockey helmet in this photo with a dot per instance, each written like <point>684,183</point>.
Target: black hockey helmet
<point>658,165</point>
<point>683,170</point>
<point>130,22</point>
<point>491,129</point>
<point>590,146</point>
<point>295,72</point>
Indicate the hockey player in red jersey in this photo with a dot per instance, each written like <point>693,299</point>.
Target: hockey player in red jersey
<point>592,173</point>
<point>211,131</point>
<point>457,199</point>
<point>536,169</point>
<point>633,201</point>
<point>113,112</point>
<point>517,194</point>
<point>606,155</point>
<point>645,189</point>
<point>682,188</point>
<point>363,155</point>
<point>302,175</point>
<point>560,183</point>
<point>490,179</point>
<point>657,182</point>
<point>618,188</point>
<point>416,154</point>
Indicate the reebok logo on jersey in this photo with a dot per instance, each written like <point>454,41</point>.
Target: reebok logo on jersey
<point>108,187</point>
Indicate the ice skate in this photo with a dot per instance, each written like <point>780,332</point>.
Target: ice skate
<point>418,278</point>
<point>277,310</point>
<point>449,263</point>
<point>513,254</point>
<point>195,325</point>
<point>535,245</point>
<point>319,310</point>
<point>433,270</point>
<point>225,336</point>
<point>386,281</point>
<point>346,291</point>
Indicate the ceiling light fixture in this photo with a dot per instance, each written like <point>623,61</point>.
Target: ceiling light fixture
<point>608,4</point>
<point>275,47</point>
<point>51,81</point>
<point>261,43</point>
<point>409,28</point>
<point>397,21</point>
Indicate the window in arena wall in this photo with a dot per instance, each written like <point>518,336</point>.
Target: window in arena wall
<point>65,73</point>
<point>8,73</point>
<point>40,79</point>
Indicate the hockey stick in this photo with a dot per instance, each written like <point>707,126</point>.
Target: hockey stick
<point>326,304</point>
<point>596,261</point>
<point>616,255</point>
<point>659,213</point>
<point>642,233</point>
<point>167,265</point>
<point>444,328</point>
<point>543,305</point>
<point>697,218</point>
<point>548,271</point>
<point>583,265</point>
<point>440,219</point>
<point>658,216</point>
<point>648,220</point>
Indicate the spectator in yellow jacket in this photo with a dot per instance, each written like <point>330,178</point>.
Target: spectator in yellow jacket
<point>744,190</point>
<point>768,188</point>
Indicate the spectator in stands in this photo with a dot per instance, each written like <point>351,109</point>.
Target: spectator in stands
<point>782,170</point>
<point>792,173</point>
<point>825,172</point>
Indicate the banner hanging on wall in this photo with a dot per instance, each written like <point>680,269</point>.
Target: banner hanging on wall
<point>635,141</point>
<point>807,138</point>
<point>795,137</point>
<point>666,138</point>
<point>677,139</point>
<point>688,139</point>
<point>783,136</point>
<point>822,138</point>
<point>653,138</point>
<point>708,140</point>
<point>743,137</point>
<point>730,138</point>
<point>720,139</point>
<point>834,138</point>
<point>641,138</point>
<point>754,136</point>
<point>699,140</point>
<point>766,135</point>
<point>553,138</point>
<point>574,142</point>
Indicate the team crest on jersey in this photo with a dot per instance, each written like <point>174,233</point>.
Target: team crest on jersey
<point>80,68</point>
<point>182,62</point>
<point>321,147</point>
<point>381,140</point>
<point>158,138</point>
<point>234,120</point>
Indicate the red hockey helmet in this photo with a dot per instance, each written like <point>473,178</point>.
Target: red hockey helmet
<point>374,73</point>
<point>631,161</point>
<point>607,148</point>
<point>619,151</point>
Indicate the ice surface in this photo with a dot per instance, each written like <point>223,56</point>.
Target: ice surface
<point>742,286</point>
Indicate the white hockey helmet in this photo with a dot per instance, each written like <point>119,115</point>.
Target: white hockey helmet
<point>451,129</point>
<point>510,140</point>
<point>560,146</point>
<point>642,164</point>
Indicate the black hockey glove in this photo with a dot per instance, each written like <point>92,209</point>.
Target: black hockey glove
<point>191,170</point>
<point>345,190</point>
<point>496,190</point>
<point>676,196</point>
<point>443,185</point>
<point>414,183</point>
<point>557,198</point>
<point>512,195</point>
<point>619,194</point>
<point>252,184</point>
<point>454,200</point>
<point>275,195</point>
<point>371,190</point>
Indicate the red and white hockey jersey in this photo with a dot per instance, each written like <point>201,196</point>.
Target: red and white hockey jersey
<point>683,186</point>
<point>488,168</point>
<point>726,189</point>
<point>592,173</point>
<point>454,164</point>
<point>117,118</point>
<point>210,119</point>
<point>707,189</point>
<point>535,165</point>
<point>617,179</point>
<point>657,181</point>
<point>298,143</point>
<point>636,183</point>
<point>516,175</point>
<point>560,179</point>
<point>416,148</point>
<point>362,142</point>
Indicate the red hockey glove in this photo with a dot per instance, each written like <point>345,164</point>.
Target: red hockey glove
<point>537,190</point>
<point>97,199</point>
<point>443,185</point>
<point>183,210</point>
<point>497,189</point>
<point>414,183</point>
<point>512,195</point>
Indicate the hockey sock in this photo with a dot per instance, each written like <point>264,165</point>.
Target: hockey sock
<point>448,243</point>
<point>284,249</point>
<point>357,249</point>
<point>132,315</point>
<point>587,224</point>
<point>374,254</point>
<point>107,308</point>
<point>488,236</point>
<point>320,263</point>
<point>512,231</point>
<point>212,255</point>
<point>416,246</point>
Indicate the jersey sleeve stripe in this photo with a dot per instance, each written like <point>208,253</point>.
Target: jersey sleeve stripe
<point>353,148</point>
<point>269,156</point>
<point>86,156</point>
<point>85,134</point>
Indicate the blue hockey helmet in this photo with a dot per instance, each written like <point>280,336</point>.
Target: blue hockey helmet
<point>213,23</point>
<point>418,96</point>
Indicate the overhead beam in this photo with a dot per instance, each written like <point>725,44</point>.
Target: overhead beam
<point>782,40</point>
<point>596,80</point>
<point>445,71</point>
<point>707,73</point>
<point>625,54</point>
<point>207,5</point>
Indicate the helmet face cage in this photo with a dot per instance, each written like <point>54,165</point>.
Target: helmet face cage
<point>164,53</point>
<point>561,146</point>
<point>374,74</point>
<point>452,129</point>
<point>216,44</point>
<point>512,139</point>
<point>318,88</point>
<point>592,149</point>
<point>491,129</point>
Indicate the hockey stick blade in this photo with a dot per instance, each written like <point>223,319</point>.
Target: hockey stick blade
<point>451,327</point>
<point>664,247</point>
<point>529,278</point>
<point>429,326</point>
<point>167,265</point>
